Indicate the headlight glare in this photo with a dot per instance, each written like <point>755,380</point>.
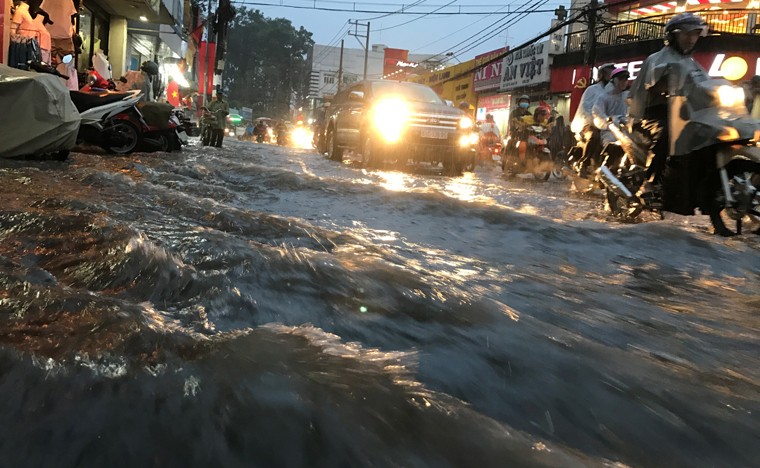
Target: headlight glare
<point>389,118</point>
<point>465,123</point>
<point>730,96</point>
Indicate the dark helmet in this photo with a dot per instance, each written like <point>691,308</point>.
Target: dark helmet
<point>684,22</point>
<point>464,105</point>
<point>524,97</point>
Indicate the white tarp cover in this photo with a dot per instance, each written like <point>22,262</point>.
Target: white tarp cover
<point>36,114</point>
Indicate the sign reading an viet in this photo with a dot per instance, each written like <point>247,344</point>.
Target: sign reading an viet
<point>526,67</point>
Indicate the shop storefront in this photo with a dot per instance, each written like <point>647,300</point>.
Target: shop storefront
<point>486,82</point>
<point>93,28</point>
<point>497,105</point>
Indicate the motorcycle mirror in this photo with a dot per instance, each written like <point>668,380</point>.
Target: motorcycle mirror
<point>67,58</point>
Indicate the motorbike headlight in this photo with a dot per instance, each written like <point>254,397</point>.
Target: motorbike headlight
<point>465,123</point>
<point>730,96</point>
<point>389,118</point>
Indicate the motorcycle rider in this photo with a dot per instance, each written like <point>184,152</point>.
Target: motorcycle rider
<point>523,103</point>
<point>220,109</point>
<point>611,105</point>
<point>648,94</point>
<point>489,135</point>
<point>583,122</point>
<point>540,117</point>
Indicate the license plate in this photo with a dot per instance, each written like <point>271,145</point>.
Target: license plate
<point>182,137</point>
<point>433,133</point>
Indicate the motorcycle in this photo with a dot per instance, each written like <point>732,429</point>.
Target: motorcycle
<point>490,149</point>
<point>107,120</point>
<point>161,132</point>
<point>528,152</point>
<point>714,162</point>
<point>40,120</point>
<point>208,124</point>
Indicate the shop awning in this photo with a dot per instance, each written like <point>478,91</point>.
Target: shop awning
<point>154,11</point>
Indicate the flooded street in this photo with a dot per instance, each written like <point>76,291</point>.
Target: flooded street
<point>262,306</point>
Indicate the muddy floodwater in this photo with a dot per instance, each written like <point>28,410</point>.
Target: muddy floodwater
<point>264,306</point>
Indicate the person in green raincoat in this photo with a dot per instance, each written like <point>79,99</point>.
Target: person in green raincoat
<point>221,110</point>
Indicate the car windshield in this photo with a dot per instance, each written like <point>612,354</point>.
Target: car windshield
<point>410,91</point>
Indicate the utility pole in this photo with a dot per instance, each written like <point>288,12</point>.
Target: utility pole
<point>208,71</point>
<point>591,38</point>
<point>340,66</point>
<point>356,34</point>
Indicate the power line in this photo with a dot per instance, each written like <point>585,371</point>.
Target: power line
<point>383,12</point>
<point>479,33</point>
<point>525,44</point>
<point>399,11</point>
<point>495,33</point>
<point>466,27</point>
<point>414,19</point>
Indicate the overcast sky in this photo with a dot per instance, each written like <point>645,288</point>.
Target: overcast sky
<point>431,34</point>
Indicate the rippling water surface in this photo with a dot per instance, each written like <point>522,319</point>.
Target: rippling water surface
<point>259,306</point>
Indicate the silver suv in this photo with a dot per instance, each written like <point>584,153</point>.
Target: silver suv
<point>391,122</point>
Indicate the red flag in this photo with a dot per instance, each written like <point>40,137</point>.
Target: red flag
<point>581,81</point>
<point>172,93</point>
<point>197,33</point>
<point>206,61</point>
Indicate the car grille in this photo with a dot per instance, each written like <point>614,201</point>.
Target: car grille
<point>443,122</point>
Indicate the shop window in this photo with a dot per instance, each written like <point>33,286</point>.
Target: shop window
<point>85,32</point>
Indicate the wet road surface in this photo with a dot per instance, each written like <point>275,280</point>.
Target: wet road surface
<point>263,306</point>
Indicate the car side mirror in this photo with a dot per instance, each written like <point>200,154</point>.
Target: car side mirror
<point>356,96</point>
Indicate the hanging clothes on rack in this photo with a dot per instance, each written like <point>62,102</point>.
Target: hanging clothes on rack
<point>21,50</point>
<point>44,38</point>
<point>24,39</point>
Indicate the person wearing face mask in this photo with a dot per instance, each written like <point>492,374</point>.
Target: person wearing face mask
<point>523,102</point>
<point>611,105</point>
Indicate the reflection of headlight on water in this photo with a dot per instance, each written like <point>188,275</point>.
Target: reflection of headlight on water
<point>389,118</point>
<point>301,137</point>
<point>730,96</point>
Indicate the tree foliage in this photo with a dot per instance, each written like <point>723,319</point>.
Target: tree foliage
<point>266,65</point>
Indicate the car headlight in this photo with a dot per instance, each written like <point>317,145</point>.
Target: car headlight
<point>389,118</point>
<point>465,123</point>
<point>730,96</point>
<point>469,139</point>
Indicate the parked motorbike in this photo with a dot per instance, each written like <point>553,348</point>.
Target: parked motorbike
<point>160,126</point>
<point>714,162</point>
<point>528,154</point>
<point>38,119</point>
<point>107,120</point>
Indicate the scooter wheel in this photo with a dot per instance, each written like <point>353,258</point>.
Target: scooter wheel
<point>127,134</point>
